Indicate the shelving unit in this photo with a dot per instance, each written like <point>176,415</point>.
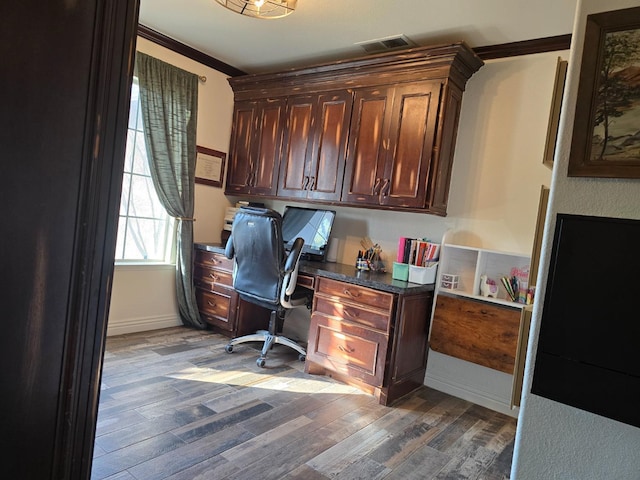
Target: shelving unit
<point>470,263</point>
<point>486,331</point>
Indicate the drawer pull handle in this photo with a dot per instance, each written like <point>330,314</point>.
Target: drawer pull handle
<point>213,276</point>
<point>346,349</point>
<point>351,294</point>
<point>211,304</point>
<point>349,313</point>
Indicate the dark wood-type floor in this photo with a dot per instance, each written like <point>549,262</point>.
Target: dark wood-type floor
<point>175,405</point>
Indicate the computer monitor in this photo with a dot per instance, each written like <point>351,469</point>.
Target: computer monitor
<point>313,225</point>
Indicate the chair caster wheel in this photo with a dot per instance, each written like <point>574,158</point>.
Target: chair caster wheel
<point>228,348</point>
<point>260,362</point>
<point>302,357</point>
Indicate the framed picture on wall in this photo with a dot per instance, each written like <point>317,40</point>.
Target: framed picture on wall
<point>209,166</point>
<point>554,114</point>
<point>606,132</point>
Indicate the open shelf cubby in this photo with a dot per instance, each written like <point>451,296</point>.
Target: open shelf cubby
<point>470,263</point>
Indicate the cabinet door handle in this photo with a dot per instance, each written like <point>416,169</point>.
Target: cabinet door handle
<point>313,184</point>
<point>376,186</point>
<point>346,349</point>
<point>384,191</point>
<point>349,293</point>
<point>305,183</point>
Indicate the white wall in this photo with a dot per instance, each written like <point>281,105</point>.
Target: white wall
<point>498,173</point>
<point>555,440</point>
<point>143,296</point>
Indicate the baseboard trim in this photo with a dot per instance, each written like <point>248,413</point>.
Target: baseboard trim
<point>141,324</point>
<point>478,397</point>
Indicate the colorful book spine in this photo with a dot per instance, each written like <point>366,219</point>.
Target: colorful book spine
<point>401,247</point>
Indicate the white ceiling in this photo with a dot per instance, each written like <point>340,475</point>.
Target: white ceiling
<point>326,30</point>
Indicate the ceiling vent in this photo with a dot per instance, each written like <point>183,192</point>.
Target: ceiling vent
<point>385,44</point>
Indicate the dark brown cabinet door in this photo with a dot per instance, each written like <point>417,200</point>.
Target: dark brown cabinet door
<point>313,158</point>
<point>410,146</point>
<point>390,150</point>
<point>294,170</point>
<point>255,146</point>
<point>239,170</point>
<point>367,155</point>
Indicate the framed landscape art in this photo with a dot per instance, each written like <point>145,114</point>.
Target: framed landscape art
<point>606,132</point>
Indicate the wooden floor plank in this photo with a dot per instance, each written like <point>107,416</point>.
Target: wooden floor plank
<point>174,405</point>
<point>423,464</point>
<point>187,456</point>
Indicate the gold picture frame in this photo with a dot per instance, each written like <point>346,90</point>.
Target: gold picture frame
<point>554,114</point>
<point>209,166</point>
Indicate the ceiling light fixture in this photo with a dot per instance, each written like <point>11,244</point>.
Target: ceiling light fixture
<point>261,8</point>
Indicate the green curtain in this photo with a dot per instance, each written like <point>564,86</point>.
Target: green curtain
<point>169,105</point>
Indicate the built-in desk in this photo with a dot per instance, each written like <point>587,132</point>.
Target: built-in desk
<point>367,329</point>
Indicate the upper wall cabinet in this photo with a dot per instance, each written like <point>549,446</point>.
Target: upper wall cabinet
<point>313,156</point>
<point>391,145</point>
<point>377,131</point>
<point>254,153</point>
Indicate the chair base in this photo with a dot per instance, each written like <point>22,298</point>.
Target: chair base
<point>270,338</point>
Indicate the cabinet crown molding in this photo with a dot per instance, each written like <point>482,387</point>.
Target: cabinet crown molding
<point>454,62</point>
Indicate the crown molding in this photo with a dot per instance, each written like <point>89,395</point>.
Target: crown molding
<point>489,52</point>
<point>187,51</point>
<point>525,47</point>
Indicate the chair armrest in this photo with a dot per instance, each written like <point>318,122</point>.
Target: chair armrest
<point>291,273</point>
<point>228,249</point>
<point>294,255</point>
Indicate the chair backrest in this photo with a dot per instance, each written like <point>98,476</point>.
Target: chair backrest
<point>258,250</point>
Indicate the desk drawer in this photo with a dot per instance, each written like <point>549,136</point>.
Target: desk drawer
<point>306,281</point>
<point>348,349</point>
<point>214,260</point>
<point>367,317</point>
<point>210,277</point>
<point>355,293</point>
<point>213,304</point>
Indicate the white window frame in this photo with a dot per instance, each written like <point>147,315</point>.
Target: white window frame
<point>127,215</point>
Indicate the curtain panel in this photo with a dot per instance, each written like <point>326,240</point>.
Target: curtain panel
<point>169,105</point>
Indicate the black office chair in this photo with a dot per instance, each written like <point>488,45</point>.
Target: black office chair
<point>265,275</point>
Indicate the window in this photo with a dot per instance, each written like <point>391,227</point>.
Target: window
<point>145,230</point>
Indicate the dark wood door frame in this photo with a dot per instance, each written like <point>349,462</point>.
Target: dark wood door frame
<point>67,69</point>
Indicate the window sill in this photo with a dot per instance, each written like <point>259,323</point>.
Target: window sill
<point>139,266</point>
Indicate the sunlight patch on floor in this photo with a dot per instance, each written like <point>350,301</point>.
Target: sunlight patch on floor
<point>239,378</point>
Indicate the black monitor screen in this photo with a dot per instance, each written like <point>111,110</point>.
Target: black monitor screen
<point>313,225</point>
